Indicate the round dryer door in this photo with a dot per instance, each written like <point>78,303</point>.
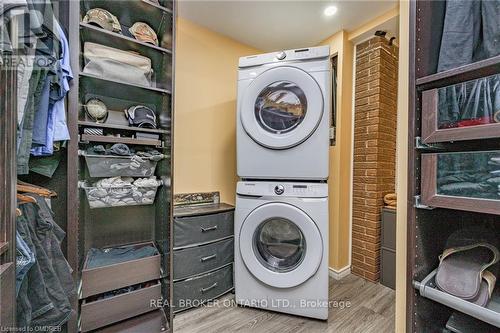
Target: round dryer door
<point>280,245</point>
<point>282,107</point>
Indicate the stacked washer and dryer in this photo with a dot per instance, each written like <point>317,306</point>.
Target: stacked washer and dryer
<point>281,220</point>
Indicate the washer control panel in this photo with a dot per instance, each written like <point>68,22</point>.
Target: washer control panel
<point>299,190</point>
<point>304,189</point>
<point>281,55</point>
<point>279,189</point>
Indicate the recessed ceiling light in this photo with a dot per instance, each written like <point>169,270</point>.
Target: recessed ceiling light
<point>330,11</point>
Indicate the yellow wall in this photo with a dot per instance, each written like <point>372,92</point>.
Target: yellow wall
<point>205,139</point>
<point>402,165</point>
<point>205,109</point>
<point>340,155</point>
<point>342,45</point>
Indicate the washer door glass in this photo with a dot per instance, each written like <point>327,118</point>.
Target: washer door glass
<point>280,107</point>
<point>279,244</point>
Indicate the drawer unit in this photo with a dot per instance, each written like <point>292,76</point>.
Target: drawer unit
<point>463,111</point>
<point>111,277</point>
<point>110,310</point>
<point>388,268</point>
<point>462,180</point>
<point>151,322</point>
<point>388,234</point>
<point>195,291</point>
<point>201,229</point>
<point>204,258</point>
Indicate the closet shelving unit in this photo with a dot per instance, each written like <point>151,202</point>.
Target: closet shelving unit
<point>8,200</point>
<point>111,226</point>
<point>433,217</point>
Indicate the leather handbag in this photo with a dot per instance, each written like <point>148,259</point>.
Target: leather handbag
<point>115,64</point>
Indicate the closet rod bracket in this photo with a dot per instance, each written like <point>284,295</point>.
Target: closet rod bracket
<point>420,145</point>
<point>418,203</point>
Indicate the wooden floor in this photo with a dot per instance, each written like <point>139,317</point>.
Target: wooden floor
<point>371,311</point>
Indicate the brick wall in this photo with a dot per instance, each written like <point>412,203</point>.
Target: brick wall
<point>374,149</point>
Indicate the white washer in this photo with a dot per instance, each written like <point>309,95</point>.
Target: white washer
<point>283,115</point>
<point>281,247</point>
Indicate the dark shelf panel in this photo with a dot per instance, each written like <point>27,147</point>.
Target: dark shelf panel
<point>129,12</point>
<point>165,9</point>
<point>5,267</point>
<point>120,96</point>
<point>4,246</point>
<point>460,74</point>
<point>120,39</point>
<point>152,89</point>
<point>112,139</point>
<point>122,127</point>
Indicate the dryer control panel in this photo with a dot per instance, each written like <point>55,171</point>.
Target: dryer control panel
<point>283,189</point>
<point>310,53</point>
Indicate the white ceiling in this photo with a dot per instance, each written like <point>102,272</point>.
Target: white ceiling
<point>271,25</point>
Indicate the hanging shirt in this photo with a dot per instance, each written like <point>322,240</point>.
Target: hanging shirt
<point>56,127</point>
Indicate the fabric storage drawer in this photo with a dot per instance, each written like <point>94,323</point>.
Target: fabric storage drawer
<point>467,180</point>
<point>114,166</point>
<point>388,268</point>
<point>110,310</point>
<point>204,258</point>
<point>202,229</point>
<point>151,322</point>
<point>98,280</point>
<point>388,228</point>
<point>195,291</point>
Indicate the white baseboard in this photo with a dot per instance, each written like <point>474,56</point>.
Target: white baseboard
<point>338,274</point>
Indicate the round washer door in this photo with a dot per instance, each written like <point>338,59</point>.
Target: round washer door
<point>282,107</point>
<point>280,245</point>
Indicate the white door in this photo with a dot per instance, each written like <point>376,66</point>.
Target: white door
<point>282,107</point>
<point>280,245</point>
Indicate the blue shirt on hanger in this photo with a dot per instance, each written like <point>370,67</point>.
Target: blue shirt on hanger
<point>56,126</point>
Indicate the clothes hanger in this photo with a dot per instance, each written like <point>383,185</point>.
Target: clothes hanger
<point>23,199</point>
<point>29,188</point>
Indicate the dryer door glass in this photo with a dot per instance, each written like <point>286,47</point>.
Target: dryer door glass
<point>279,244</point>
<point>280,107</point>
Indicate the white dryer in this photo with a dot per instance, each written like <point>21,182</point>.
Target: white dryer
<point>281,247</point>
<point>283,115</point>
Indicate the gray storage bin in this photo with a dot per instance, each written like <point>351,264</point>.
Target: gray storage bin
<point>204,258</point>
<point>130,195</point>
<point>489,314</point>
<point>388,268</point>
<point>198,290</point>
<point>202,229</point>
<point>117,308</point>
<point>114,166</point>
<point>101,279</point>
<point>388,233</point>
<point>154,322</point>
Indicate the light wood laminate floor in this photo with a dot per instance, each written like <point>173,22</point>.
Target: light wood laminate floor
<point>371,310</point>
